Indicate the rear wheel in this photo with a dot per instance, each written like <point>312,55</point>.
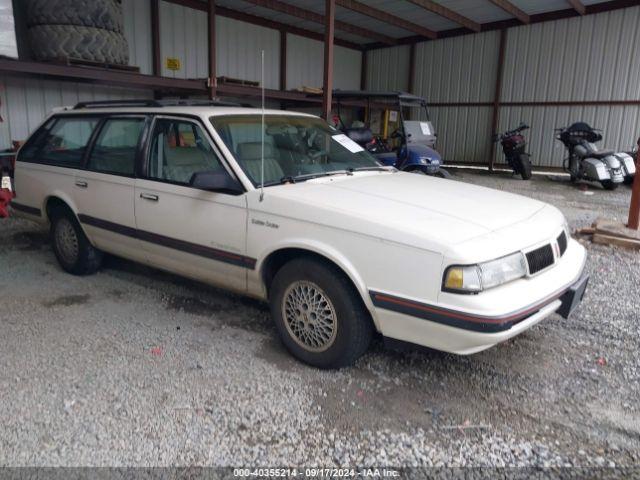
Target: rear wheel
<point>319,314</point>
<point>524,166</point>
<point>609,184</point>
<point>72,248</point>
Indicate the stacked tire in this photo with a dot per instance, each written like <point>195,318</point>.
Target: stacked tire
<point>90,30</point>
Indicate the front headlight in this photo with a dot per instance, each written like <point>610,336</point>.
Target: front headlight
<point>476,278</point>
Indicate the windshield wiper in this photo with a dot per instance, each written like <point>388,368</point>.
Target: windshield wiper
<point>307,176</point>
<point>369,169</point>
<point>310,176</point>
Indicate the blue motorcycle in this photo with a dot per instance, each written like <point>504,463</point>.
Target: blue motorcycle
<point>414,136</point>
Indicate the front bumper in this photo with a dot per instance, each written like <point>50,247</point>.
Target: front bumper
<point>465,332</point>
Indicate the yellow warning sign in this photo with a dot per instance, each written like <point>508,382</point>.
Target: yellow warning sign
<point>173,64</point>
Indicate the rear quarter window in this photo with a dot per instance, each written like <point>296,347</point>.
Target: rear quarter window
<point>61,142</point>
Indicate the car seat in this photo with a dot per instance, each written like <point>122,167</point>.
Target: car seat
<point>249,157</point>
<point>180,163</point>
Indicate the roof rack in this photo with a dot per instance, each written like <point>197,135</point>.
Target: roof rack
<point>155,103</point>
<point>117,103</point>
<point>196,103</point>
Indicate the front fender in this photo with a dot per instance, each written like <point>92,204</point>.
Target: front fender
<point>421,157</point>
<point>323,250</point>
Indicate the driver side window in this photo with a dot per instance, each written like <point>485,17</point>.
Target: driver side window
<point>179,148</point>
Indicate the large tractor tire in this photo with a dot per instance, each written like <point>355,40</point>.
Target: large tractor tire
<point>51,42</point>
<point>104,14</point>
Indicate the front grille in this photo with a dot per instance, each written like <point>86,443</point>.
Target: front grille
<point>540,259</point>
<point>562,243</point>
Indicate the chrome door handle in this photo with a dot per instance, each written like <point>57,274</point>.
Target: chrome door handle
<point>148,196</point>
<point>81,184</point>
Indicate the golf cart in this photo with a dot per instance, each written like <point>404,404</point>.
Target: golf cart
<point>404,137</point>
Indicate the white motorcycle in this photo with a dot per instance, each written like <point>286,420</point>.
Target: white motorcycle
<point>587,162</point>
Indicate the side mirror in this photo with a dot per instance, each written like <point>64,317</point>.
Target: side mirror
<point>220,182</point>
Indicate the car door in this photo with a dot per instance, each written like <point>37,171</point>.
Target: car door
<point>104,190</point>
<point>196,233</point>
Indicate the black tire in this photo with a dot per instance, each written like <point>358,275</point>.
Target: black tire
<point>628,180</point>
<point>442,173</point>
<point>524,166</point>
<point>54,42</point>
<point>104,14</point>
<point>84,259</point>
<point>353,325</point>
<point>609,185</point>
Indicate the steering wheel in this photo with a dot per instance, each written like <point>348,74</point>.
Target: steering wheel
<point>396,134</point>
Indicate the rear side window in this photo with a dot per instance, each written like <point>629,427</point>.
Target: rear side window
<point>62,143</point>
<point>116,146</point>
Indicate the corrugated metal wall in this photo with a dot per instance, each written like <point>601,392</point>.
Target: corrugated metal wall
<point>238,46</point>
<point>388,68</point>
<point>305,60</point>
<point>137,29</point>
<point>26,102</point>
<point>460,69</point>
<point>592,58</point>
<point>184,36</point>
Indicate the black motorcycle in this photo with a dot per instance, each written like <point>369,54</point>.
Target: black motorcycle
<point>513,145</point>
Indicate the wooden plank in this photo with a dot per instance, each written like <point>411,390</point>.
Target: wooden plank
<point>327,84</point>
<point>634,206</point>
<point>495,117</point>
<point>443,11</point>
<point>283,59</point>
<point>363,71</point>
<point>211,48</point>
<point>615,241</point>
<point>412,68</point>
<point>155,37</point>
<point>617,229</point>
<point>386,17</point>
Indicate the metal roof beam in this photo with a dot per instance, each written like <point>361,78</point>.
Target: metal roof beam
<point>386,17</point>
<point>311,16</point>
<point>511,9</point>
<point>264,22</point>
<point>448,14</point>
<point>578,6</point>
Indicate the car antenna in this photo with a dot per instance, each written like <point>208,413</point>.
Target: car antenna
<point>262,131</point>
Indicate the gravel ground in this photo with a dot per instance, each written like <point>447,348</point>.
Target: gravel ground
<point>133,367</point>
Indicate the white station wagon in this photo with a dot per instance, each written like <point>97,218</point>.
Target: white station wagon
<point>340,246</point>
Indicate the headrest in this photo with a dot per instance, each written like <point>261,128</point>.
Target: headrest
<point>184,156</point>
<point>253,150</point>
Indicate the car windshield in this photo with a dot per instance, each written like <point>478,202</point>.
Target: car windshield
<point>296,148</point>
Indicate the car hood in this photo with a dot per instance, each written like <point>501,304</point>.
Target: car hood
<point>422,211</point>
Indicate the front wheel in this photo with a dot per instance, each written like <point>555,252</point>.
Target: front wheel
<point>628,180</point>
<point>524,166</point>
<point>319,314</point>
<point>442,173</point>
<point>609,184</point>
